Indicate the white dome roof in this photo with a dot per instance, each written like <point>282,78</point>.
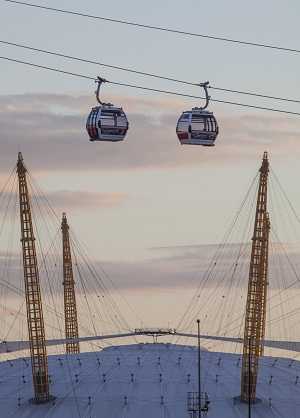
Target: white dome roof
<point>147,381</point>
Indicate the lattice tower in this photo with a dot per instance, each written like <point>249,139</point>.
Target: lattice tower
<point>255,321</point>
<point>71,322</point>
<point>35,319</point>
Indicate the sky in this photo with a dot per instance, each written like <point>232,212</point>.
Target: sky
<point>126,199</point>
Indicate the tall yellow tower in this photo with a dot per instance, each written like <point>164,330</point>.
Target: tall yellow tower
<point>255,321</point>
<point>35,321</point>
<point>71,322</point>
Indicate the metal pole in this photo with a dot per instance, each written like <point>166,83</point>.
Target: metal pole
<point>249,380</point>
<point>255,319</point>
<point>199,369</point>
<point>70,309</point>
<point>35,319</point>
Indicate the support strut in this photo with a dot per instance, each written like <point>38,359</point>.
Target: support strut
<point>71,322</point>
<point>255,320</point>
<point>35,321</point>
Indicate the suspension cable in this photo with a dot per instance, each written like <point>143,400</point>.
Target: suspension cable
<point>158,28</point>
<point>57,70</point>
<point>143,73</point>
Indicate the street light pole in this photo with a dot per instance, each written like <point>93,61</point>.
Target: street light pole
<point>199,369</point>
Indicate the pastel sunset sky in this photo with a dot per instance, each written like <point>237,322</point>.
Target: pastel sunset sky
<point>135,202</point>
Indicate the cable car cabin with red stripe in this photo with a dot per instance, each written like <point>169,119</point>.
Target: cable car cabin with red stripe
<point>107,123</point>
<point>197,127</point>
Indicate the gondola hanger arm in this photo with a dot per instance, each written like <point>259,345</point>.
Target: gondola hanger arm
<point>205,86</point>
<point>99,82</point>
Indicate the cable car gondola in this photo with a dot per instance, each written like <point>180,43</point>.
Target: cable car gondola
<point>198,126</point>
<point>106,122</point>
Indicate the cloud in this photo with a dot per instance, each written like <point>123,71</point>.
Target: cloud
<point>180,268</point>
<point>218,266</point>
<point>152,273</point>
<point>63,200</point>
<point>84,200</point>
<point>50,131</point>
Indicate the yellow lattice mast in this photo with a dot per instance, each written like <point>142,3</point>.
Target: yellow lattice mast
<point>71,323</point>
<point>255,320</point>
<point>35,321</point>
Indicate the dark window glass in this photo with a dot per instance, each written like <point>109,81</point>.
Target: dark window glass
<point>185,116</point>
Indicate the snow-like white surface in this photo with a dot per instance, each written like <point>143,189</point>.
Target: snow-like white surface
<point>153,378</point>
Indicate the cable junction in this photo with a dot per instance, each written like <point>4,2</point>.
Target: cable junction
<point>57,70</point>
<point>158,28</point>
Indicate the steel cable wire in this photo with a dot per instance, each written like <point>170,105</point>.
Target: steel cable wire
<point>154,90</point>
<point>143,73</point>
<point>158,28</point>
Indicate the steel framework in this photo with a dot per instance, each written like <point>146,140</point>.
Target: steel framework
<point>255,320</point>
<point>71,322</point>
<point>35,321</point>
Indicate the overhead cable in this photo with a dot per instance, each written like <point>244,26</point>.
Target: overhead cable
<point>57,70</point>
<point>134,71</point>
<point>157,28</point>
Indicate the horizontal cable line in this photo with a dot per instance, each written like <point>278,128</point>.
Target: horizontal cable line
<point>131,70</point>
<point>250,93</point>
<point>43,67</point>
<point>148,88</point>
<point>158,28</point>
